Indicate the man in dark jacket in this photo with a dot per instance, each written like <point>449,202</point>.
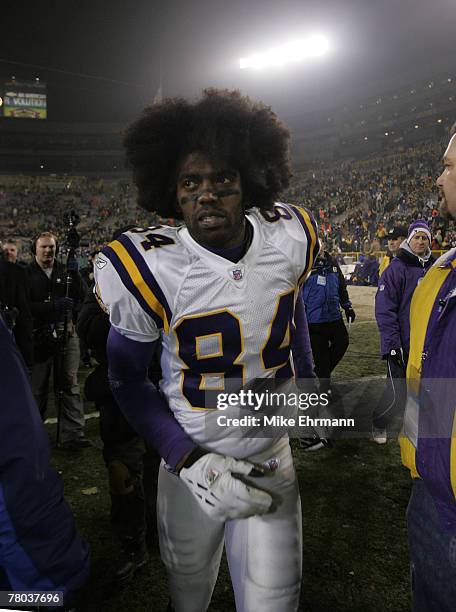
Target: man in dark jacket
<point>40,549</point>
<point>392,312</point>
<point>395,237</point>
<point>15,302</point>
<point>87,276</point>
<point>9,250</point>
<point>49,303</point>
<point>87,271</point>
<point>324,293</point>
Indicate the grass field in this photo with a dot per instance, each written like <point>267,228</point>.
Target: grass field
<point>353,498</point>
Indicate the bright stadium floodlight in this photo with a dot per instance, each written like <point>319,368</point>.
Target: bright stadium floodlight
<point>295,51</point>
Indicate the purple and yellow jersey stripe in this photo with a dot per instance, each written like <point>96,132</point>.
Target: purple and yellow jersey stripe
<point>310,228</point>
<point>139,280</point>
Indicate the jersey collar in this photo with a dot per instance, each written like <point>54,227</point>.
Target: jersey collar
<point>235,272</point>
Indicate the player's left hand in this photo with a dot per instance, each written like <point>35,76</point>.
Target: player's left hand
<point>220,486</point>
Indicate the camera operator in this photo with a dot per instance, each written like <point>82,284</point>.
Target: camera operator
<point>52,302</point>
<point>15,305</point>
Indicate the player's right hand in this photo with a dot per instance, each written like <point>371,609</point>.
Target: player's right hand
<point>220,486</point>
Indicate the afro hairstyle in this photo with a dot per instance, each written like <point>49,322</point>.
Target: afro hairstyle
<point>224,126</point>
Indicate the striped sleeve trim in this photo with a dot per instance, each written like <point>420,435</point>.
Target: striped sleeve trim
<point>139,280</point>
<point>310,228</point>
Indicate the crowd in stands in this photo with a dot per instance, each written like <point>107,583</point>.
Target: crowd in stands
<point>358,201</point>
<point>355,202</point>
<point>29,203</point>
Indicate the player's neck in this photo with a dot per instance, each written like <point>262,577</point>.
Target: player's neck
<point>234,253</point>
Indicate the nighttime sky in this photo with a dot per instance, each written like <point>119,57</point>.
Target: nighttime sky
<point>377,45</point>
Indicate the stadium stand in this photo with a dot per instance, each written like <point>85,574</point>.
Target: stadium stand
<point>360,168</point>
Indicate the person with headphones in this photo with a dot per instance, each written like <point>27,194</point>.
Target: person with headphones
<point>49,304</point>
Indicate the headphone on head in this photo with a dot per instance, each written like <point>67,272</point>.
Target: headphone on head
<point>41,235</point>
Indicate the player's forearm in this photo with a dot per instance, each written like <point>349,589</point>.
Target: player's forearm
<point>139,400</point>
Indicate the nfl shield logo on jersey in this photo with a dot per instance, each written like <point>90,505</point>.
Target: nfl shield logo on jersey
<point>237,274</point>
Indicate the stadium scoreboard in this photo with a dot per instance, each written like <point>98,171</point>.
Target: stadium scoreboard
<point>23,99</point>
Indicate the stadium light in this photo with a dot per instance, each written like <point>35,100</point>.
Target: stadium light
<point>295,51</point>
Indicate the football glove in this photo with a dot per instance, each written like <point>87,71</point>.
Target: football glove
<point>219,485</point>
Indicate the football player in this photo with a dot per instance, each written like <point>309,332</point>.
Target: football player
<point>217,295</point>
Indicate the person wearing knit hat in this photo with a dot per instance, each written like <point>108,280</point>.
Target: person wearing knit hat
<point>392,306</point>
<point>419,237</point>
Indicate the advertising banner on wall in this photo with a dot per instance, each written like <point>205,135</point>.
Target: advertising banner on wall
<point>24,99</point>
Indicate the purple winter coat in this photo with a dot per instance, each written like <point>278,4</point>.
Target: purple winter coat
<point>392,301</point>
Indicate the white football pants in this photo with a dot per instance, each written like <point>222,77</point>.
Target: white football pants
<point>264,552</point>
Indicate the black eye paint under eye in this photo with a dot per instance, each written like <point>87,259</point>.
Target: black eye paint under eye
<point>221,193</point>
<point>224,193</point>
<point>191,198</point>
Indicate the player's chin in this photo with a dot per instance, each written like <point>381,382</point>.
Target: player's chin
<point>215,236</point>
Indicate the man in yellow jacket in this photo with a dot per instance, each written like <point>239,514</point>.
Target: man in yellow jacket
<point>428,442</point>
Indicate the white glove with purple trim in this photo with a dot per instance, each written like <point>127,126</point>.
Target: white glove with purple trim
<point>220,486</point>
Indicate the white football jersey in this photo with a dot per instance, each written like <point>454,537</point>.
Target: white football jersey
<point>223,324</point>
